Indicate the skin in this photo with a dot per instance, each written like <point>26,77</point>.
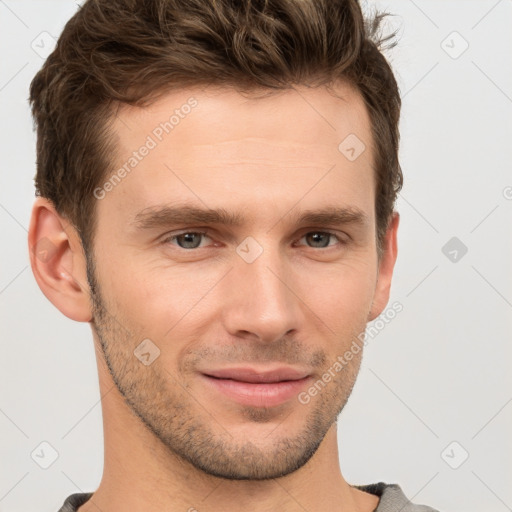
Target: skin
<point>172,442</point>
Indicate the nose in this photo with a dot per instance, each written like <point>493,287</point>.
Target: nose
<point>260,299</point>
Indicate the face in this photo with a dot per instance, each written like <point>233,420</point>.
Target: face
<point>279,277</point>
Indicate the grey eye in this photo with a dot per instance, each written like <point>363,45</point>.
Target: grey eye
<point>191,240</point>
<point>319,239</point>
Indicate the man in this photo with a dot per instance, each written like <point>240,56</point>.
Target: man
<point>216,183</point>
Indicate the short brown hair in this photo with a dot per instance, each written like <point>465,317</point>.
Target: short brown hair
<point>132,51</point>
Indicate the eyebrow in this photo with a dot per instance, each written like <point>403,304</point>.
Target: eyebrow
<point>164,216</point>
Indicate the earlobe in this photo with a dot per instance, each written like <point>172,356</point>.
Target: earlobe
<point>385,269</point>
<point>58,262</point>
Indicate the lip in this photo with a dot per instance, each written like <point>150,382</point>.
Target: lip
<point>257,389</point>
<point>252,375</point>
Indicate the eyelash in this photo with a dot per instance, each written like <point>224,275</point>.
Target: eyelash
<point>170,238</point>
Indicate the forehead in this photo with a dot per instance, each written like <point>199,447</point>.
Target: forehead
<point>217,147</point>
<point>219,115</point>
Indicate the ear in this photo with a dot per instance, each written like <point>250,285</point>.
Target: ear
<point>58,261</point>
<point>385,270</point>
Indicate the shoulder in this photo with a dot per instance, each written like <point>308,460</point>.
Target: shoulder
<point>74,501</point>
<point>392,498</point>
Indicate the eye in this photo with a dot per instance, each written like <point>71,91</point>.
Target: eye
<point>320,239</point>
<point>187,240</point>
<point>192,239</point>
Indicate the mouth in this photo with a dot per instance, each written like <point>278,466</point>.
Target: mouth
<point>251,387</point>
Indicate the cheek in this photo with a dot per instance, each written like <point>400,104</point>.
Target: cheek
<point>157,301</point>
<point>342,294</point>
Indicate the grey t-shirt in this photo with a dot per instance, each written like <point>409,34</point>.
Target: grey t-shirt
<point>392,499</point>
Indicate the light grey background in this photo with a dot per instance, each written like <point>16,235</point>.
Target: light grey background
<point>437,373</point>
